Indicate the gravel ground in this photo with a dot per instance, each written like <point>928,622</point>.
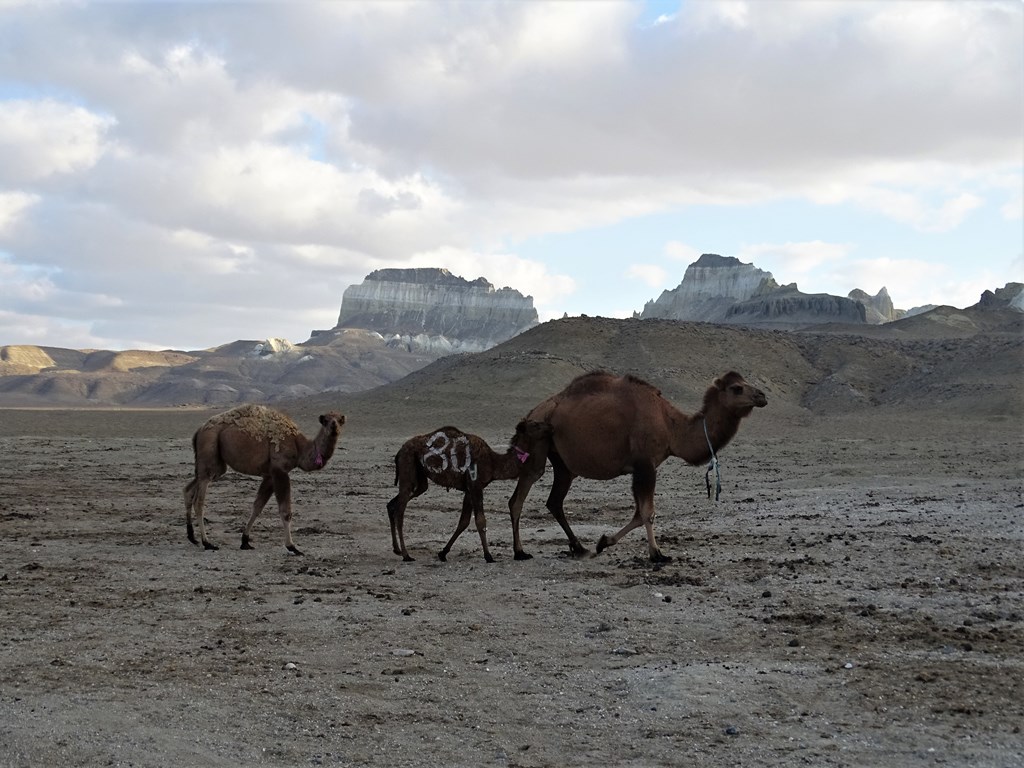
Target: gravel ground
<point>851,601</point>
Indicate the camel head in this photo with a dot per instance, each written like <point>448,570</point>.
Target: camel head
<point>332,422</point>
<point>733,394</point>
<point>528,438</point>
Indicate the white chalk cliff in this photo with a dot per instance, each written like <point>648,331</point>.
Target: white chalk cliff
<point>433,309</point>
<point>722,289</point>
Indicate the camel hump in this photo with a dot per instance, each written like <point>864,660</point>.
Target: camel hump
<point>600,381</point>
<point>257,421</point>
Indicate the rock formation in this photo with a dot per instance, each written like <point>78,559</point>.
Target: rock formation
<point>878,308</point>
<point>1010,296</point>
<point>710,287</point>
<point>722,289</point>
<point>788,308</point>
<point>434,310</point>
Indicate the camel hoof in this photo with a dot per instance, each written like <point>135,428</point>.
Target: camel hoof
<point>408,558</point>
<point>522,556</point>
<point>603,543</point>
<point>658,557</point>
<point>295,550</point>
<point>246,544</point>
<point>442,556</point>
<point>488,558</point>
<point>208,545</point>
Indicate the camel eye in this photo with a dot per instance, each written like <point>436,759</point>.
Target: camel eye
<point>736,389</point>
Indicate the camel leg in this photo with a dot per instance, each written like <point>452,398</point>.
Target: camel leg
<point>481,521</point>
<point>262,497</point>
<point>396,509</point>
<point>559,489</point>
<point>467,513</point>
<point>283,494</point>
<point>190,500</point>
<point>515,509</point>
<point>396,516</point>
<point>195,499</point>
<point>644,477</point>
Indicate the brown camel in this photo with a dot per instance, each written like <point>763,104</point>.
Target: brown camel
<point>604,426</point>
<point>452,458</point>
<point>260,441</point>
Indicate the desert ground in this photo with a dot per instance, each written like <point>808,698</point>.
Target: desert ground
<point>854,599</point>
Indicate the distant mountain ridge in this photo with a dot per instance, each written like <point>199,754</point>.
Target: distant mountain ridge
<point>722,289</point>
<point>418,316</point>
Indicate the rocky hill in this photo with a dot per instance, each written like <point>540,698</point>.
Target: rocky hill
<point>925,363</point>
<point>722,289</point>
<point>433,310</point>
<point>241,371</point>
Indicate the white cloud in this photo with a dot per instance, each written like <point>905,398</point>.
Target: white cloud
<point>910,208</point>
<point>650,274</point>
<point>202,156</point>
<point>45,138</point>
<point>678,251</point>
<point>794,260</point>
<point>13,206</point>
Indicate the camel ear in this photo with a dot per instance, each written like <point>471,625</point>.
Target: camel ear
<point>730,378</point>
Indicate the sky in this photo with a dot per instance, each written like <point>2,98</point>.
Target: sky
<point>182,175</point>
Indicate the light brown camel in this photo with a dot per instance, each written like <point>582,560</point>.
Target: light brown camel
<point>452,458</point>
<point>260,441</point>
<point>604,426</point>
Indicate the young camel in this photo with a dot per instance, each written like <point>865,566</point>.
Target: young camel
<point>604,426</point>
<point>260,441</point>
<point>454,459</point>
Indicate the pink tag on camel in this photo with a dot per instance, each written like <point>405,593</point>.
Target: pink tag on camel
<point>319,460</point>
<point>521,455</point>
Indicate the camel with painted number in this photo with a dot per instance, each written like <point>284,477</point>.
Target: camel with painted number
<point>604,426</point>
<point>256,440</point>
<point>452,458</point>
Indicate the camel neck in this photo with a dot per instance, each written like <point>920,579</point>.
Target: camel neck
<point>697,437</point>
<point>717,432</point>
<point>320,450</point>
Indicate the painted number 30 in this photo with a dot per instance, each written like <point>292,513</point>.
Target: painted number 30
<point>444,452</point>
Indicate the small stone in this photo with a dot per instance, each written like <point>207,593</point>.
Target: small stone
<point>848,665</point>
<point>624,652</point>
<point>403,652</point>
<point>731,730</point>
<point>667,598</point>
<point>794,643</point>
<point>766,593</point>
<point>291,665</point>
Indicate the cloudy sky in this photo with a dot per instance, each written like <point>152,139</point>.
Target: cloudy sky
<point>181,175</point>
